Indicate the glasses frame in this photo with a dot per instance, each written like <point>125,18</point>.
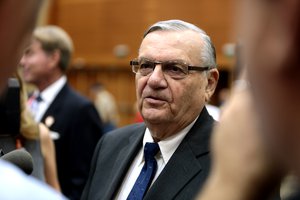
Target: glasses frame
<point>135,63</point>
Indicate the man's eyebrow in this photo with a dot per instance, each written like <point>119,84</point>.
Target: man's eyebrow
<point>145,58</point>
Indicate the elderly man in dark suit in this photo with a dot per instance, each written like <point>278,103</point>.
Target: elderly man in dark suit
<point>73,120</point>
<point>167,157</point>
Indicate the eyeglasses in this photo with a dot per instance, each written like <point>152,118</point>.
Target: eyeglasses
<point>174,69</point>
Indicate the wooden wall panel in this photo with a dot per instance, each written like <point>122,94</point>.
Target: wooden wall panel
<point>119,82</point>
<point>97,26</point>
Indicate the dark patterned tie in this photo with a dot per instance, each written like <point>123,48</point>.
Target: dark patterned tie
<point>147,174</point>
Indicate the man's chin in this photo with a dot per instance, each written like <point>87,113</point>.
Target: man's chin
<point>154,117</point>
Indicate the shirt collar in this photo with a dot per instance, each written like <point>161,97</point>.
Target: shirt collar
<point>169,145</point>
<point>52,90</point>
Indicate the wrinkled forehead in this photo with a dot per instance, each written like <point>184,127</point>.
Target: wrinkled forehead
<point>162,45</point>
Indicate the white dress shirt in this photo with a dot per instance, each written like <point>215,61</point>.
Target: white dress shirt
<point>47,95</point>
<point>167,147</point>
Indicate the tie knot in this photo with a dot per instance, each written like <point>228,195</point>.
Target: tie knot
<point>38,98</point>
<point>150,150</point>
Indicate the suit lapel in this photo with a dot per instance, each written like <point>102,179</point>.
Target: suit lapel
<point>184,165</point>
<point>124,160</point>
<point>54,107</point>
<point>177,173</point>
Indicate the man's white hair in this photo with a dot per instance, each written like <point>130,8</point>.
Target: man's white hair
<point>207,54</point>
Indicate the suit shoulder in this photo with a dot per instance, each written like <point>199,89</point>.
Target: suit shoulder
<point>116,139</point>
<point>125,132</point>
<point>73,97</point>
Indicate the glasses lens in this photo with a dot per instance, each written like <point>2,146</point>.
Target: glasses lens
<point>135,66</point>
<point>171,68</point>
<point>146,67</point>
<point>175,70</point>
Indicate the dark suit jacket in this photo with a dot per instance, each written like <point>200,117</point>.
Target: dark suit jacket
<point>79,126</point>
<point>181,178</point>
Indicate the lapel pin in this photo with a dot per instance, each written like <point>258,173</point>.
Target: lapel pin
<point>49,121</point>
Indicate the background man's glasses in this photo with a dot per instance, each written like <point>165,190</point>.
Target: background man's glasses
<point>174,69</point>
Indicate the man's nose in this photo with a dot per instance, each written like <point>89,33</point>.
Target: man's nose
<point>157,78</point>
<point>158,70</point>
<point>22,61</point>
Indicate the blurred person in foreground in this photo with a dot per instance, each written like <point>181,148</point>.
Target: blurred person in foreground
<point>72,119</point>
<point>249,164</point>
<point>21,131</point>
<point>175,75</point>
<point>36,139</point>
<point>17,19</point>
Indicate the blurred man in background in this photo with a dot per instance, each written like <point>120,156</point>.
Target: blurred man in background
<point>106,106</point>
<point>73,120</point>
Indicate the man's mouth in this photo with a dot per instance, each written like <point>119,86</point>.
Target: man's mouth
<point>155,100</point>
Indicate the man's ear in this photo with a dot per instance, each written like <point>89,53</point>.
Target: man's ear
<point>54,58</point>
<point>212,81</point>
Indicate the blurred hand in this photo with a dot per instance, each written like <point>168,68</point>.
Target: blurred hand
<point>259,130</point>
<point>17,20</point>
<point>270,31</point>
<point>242,167</point>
